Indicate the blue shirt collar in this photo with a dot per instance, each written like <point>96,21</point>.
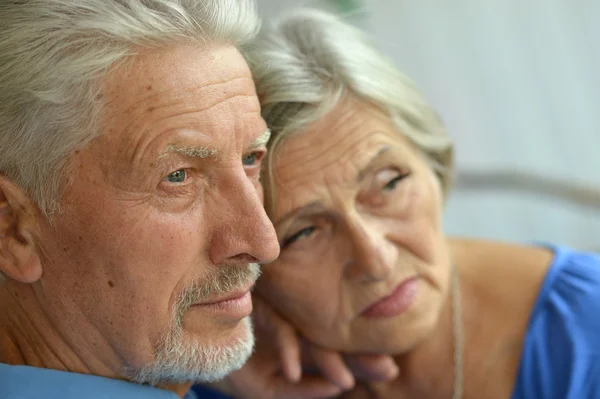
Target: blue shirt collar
<point>24,382</point>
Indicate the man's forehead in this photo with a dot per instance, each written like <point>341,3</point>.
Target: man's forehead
<point>172,93</point>
<point>179,70</point>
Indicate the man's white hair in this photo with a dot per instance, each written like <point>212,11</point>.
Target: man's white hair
<point>53,56</point>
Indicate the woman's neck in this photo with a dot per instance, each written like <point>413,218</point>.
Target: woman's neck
<point>428,370</point>
<point>495,313</point>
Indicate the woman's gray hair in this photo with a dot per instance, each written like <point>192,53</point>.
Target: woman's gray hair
<point>308,60</point>
<point>53,56</point>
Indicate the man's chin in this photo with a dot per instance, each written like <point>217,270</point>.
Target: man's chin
<point>188,358</point>
<point>219,334</point>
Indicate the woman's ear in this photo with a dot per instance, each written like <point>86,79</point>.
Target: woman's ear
<point>19,257</point>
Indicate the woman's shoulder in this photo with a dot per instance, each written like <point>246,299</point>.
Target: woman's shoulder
<point>561,354</point>
<point>554,293</point>
<point>505,277</point>
<point>540,275</point>
<point>558,285</point>
<point>570,291</point>
<point>567,310</point>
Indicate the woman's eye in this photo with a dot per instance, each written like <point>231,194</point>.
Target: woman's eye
<point>391,185</point>
<point>250,159</point>
<point>304,233</point>
<point>178,176</point>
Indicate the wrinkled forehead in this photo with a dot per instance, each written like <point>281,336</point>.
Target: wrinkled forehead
<point>158,71</point>
<point>351,132</point>
<point>331,154</point>
<point>301,161</point>
<point>208,90</point>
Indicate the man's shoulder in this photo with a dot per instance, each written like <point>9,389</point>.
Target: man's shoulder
<point>24,382</point>
<point>203,392</point>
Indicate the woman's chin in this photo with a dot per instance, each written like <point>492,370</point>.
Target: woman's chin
<point>395,336</point>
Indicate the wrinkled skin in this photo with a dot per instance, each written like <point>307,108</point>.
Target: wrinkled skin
<point>357,211</point>
<point>141,221</point>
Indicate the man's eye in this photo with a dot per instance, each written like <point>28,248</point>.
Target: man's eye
<point>251,159</point>
<point>178,176</point>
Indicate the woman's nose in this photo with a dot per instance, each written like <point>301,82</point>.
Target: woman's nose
<point>373,257</point>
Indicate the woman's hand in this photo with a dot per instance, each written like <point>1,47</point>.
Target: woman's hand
<point>261,378</point>
<point>275,370</point>
<point>295,355</point>
<point>344,370</point>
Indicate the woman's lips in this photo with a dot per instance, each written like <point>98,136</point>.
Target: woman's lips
<point>396,303</point>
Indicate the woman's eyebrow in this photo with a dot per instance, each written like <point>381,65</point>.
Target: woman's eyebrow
<point>363,172</point>
<point>300,211</point>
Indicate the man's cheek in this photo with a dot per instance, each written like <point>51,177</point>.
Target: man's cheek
<point>261,191</point>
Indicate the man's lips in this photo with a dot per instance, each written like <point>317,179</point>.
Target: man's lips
<point>232,296</point>
<point>228,296</point>
<point>229,307</point>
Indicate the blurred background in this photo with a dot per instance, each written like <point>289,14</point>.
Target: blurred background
<point>517,83</point>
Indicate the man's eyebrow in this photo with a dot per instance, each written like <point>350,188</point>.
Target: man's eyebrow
<point>191,151</point>
<point>261,140</point>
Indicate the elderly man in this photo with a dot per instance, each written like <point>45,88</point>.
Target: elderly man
<point>131,218</point>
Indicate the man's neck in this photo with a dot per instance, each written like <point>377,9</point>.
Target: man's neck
<point>28,338</point>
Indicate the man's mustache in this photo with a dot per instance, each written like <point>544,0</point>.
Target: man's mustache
<point>223,279</point>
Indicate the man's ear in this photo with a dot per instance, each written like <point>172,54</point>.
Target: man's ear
<point>19,257</point>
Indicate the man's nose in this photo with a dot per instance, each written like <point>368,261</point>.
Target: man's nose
<point>243,230</point>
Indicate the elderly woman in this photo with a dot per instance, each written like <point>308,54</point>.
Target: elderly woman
<point>355,183</point>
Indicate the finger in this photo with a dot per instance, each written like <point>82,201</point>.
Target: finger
<point>374,368</point>
<point>261,313</point>
<point>284,335</point>
<point>289,352</point>
<point>307,388</point>
<point>332,366</point>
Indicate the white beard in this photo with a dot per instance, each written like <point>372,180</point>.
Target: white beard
<point>184,359</point>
